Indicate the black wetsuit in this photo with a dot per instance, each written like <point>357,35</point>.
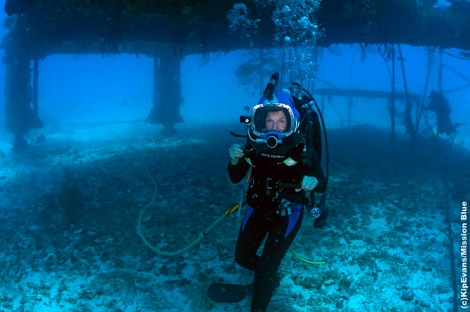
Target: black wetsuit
<point>267,214</point>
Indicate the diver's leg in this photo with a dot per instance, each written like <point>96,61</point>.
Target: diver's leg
<point>277,244</point>
<point>251,235</point>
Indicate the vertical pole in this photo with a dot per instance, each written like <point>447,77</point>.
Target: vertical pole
<point>20,118</point>
<point>156,83</point>
<point>392,101</point>
<point>410,127</point>
<point>167,90</point>
<point>440,70</point>
<point>35,87</point>
<point>350,105</point>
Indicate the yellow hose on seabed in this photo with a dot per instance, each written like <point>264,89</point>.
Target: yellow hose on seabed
<point>200,236</point>
<point>191,245</point>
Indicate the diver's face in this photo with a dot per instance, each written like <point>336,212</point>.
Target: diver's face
<point>276,121</point>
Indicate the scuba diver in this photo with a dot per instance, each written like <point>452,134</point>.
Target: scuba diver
<point>283,171</point>
<point>440,106</point>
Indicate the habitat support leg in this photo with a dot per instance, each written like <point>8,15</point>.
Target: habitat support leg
<point>167,90</point>
<point>20,116</point>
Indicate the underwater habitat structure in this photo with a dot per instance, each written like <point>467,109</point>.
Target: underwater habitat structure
<point>120,212</point>
<point>167,32</point>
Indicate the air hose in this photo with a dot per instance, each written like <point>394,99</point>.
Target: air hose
<point>199,238</point>
<point>305,260</point>
<point>201,235</point>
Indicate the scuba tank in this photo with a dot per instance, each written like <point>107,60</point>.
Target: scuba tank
<point>313,124</point>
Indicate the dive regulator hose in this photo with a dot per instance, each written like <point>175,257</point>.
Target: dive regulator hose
<point>201,235</point>
<point>199,238</point>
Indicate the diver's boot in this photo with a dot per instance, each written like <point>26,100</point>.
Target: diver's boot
<point>277,280</point>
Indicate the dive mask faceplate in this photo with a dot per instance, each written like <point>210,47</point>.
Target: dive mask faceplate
<point>271,123</point>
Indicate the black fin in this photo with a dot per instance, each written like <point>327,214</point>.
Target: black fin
<point>229,293</point>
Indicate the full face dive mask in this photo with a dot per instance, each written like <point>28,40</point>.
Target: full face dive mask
<point>272,121</point>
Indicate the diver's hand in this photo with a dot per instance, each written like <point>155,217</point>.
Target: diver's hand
<point>309,183</point>
<point>236,152</point>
